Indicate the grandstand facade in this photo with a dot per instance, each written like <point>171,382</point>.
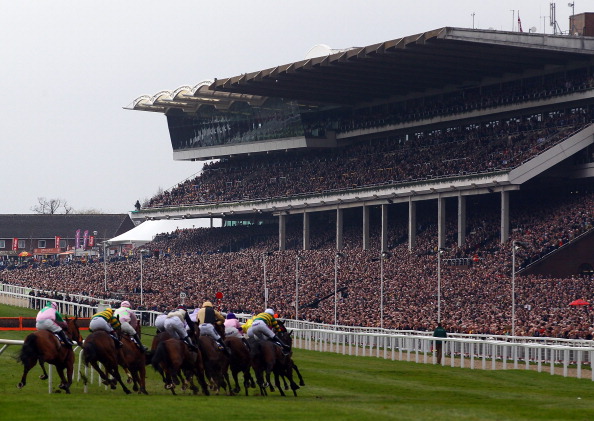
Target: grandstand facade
<point>369,133</point>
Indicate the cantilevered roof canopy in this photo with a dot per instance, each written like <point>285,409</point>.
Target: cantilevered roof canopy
<point>414,64</point>
<point>190,99</point>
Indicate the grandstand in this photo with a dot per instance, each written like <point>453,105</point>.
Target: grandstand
<point>445,115</point>
<point>390,180</point>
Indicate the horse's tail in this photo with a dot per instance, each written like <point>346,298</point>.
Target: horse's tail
<point>28,352</point>
<point>89,353</point>
<point>159,356</point>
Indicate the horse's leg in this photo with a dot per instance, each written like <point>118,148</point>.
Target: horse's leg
<point>64,385</point>
<point>116,375</point>
<point>228,383</point>
<point>234,374</point>
<point>289,374</point>
<point>301,382</point>
<point>277,377</point>
<point>27,366</point>
<point>104,375</point>
<point>141,373</point>
<point>285,384</point>
<point>42,365</point>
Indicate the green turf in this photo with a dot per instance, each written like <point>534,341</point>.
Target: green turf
<point>337,387</point>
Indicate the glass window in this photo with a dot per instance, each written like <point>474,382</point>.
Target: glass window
<point>2,244</point>
<point>21,244</point>
<point>41,244</point>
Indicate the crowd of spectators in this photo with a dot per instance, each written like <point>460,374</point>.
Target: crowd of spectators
<point>474,298</point>
<point>463,100</point>
<point>491,146</point>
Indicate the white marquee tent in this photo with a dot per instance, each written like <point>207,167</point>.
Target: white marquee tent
<point>147,230</point>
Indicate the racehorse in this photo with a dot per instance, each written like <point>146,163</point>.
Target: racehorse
<point>268,358</point>
<point>45,347</point>
<point>216,363</point>
<point>239,362</point>
<point>172,359</point>
<point>133,360</point>
<point>99,347</point>
<point>284,365</point>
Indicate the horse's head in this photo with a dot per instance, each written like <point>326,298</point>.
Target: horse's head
<point>73,331</point>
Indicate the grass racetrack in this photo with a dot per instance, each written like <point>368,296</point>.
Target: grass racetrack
<point>337,387</point>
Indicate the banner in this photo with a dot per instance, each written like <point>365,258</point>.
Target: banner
<point>92,241</point>
<point>15,244</point>
<point>85,238</point>
<point>77,239</point>
<point>57,242</point>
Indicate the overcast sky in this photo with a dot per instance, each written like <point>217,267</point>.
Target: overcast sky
<point>67,69</point>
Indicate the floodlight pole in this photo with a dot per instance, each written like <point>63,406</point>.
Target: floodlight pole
<point>297,258</point>
<point>104,267</point>
<point>141,279</point>
<point>513,332</point>
<point>383,256</point>
<point>438,285</point>
<point>336,256</point>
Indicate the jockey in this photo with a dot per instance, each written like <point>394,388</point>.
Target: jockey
<point>128,319</point>
<point>175,325</point>
<point>207,317</point>
<point>246,326</point>
<point>263,326</point>
<point>50,319</point>
<point>233,327</point>
<point>107,322</point>
<point>160,322</point>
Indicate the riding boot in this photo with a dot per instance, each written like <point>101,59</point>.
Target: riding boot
<point>246,343</point>
<point>188,342</point>
<point>286,348</point>
<point>64,339</point>
<point>138,343</point>
<point>117,342</point>
<point>224,347</point>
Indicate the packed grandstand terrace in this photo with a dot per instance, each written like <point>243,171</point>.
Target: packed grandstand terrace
<point>491,126</point>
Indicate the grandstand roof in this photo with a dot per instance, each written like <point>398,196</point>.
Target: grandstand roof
<point>416,63</point>
<point>189,99</point>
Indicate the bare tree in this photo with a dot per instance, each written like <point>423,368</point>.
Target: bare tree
<point>51,206</point>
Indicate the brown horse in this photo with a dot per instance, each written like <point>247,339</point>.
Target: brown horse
<point>268,358</point>
<point>99,347</point>
<point>132,359</point>
<point>216,363</point>
<point>239,362</point>
<point>45,347</point>
<point>263,358</point>
<point>172,358</point>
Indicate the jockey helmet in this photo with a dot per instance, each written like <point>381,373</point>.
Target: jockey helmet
<point>54,305</point>
<point>207,304</point>
<point>125,304</point>
<point>269,311</point>
<point>231,316</point>
<point>182,307</point>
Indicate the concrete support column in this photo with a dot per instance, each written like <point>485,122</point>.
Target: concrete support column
<point>339,222</point>
<point>504,216</point>
<point>384,245</point>
<point>365,227</point>
<point>412,223</point>
<point>441,226</point>
<point>282,232</point>
<point>461,220</point>
<point>305,231</point>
